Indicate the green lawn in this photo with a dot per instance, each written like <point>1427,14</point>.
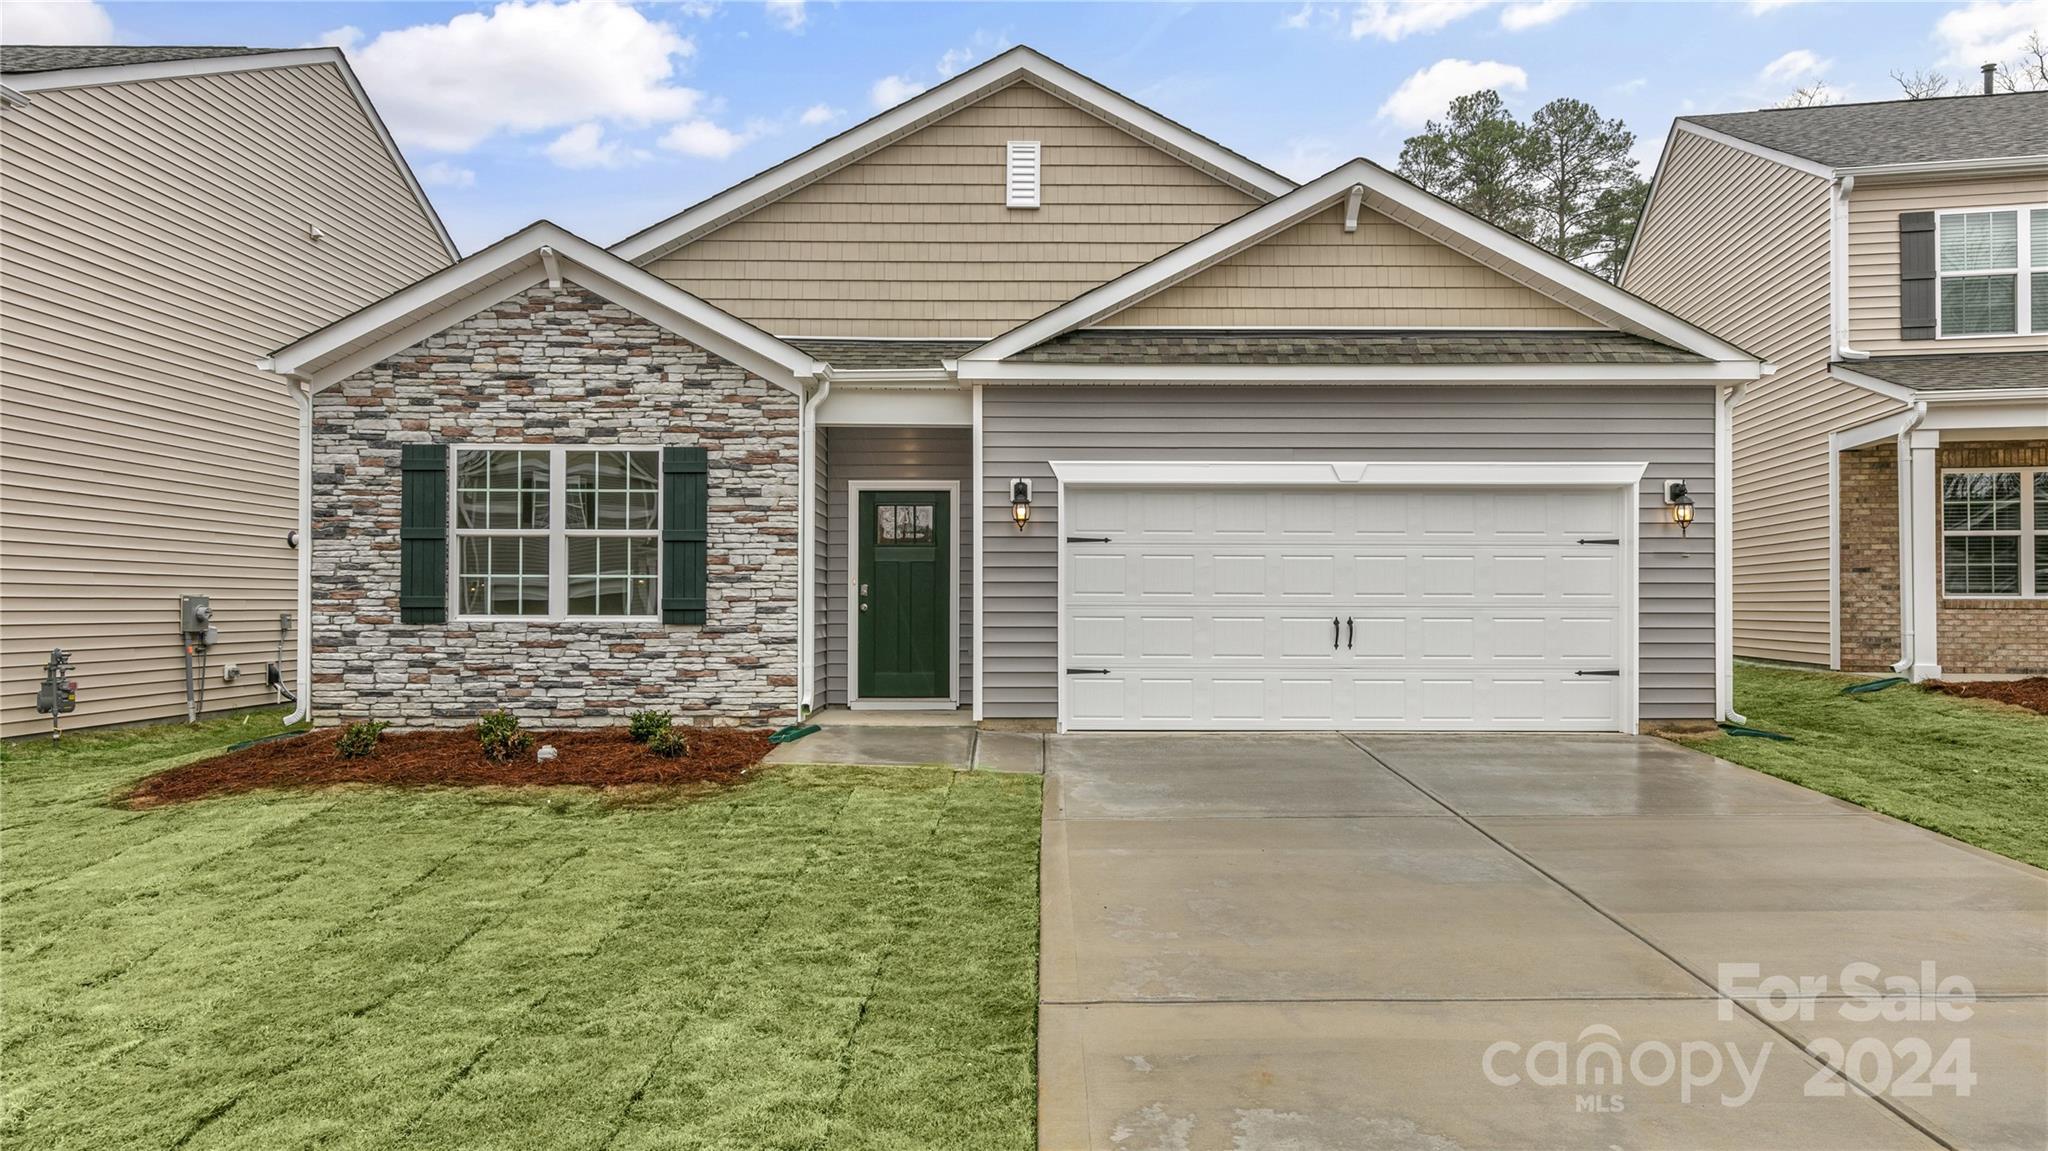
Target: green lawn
<point>821,958</point>
<point>1976,771</point>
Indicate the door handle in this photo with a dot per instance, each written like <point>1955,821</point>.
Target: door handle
<point>1336,632</point>
<point>863,607</point>
<point>1350,631</point>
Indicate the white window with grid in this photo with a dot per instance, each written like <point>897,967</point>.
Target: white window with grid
<point>1994,533</point>
<point>557,533</point>
<point>1992,272</point>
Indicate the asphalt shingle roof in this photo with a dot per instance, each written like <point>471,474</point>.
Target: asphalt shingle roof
<point>1226,346</point>
<point>1897,131</point>
<point>19,58</point>
<point>1956,372</point>
<point>871,355</point>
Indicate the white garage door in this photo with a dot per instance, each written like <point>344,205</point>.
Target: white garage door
<point>1348,609</point>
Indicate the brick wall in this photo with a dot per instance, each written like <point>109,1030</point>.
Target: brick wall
<point>555,366</point>
<point>1869,479</point>
<point>1993,635</point>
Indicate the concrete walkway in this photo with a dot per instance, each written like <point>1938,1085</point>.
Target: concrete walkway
<point>1307,942</point>
<point>917,745</point>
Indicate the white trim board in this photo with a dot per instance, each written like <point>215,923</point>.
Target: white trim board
<point>1407,204</point>
<point>1018,65</point>
<point>853,540</point>
<point>1013,371</point>
<point>512,265</point>
<point>27,82</point>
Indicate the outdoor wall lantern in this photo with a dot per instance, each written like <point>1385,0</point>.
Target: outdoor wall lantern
<point>1680,502</point>
<point>1020,503</point>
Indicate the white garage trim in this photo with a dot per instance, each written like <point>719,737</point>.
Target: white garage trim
<point>1624,478</point>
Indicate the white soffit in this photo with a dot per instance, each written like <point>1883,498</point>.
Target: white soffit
<point>510,266</point>
<point>1020,64</point>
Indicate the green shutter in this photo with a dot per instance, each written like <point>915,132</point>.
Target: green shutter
<point>685,519</point>
<point>1917,282</point>
<point>423,534</point>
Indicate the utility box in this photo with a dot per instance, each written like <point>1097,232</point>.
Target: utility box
<point>195,620</point>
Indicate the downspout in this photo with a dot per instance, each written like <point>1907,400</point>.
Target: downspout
<point>807,547</point>
<point>1724,554</point>
<point>1905,449</point>
<point>303,393</point>
<point>1838,269</point>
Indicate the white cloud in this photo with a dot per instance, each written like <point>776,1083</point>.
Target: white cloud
<point>585,146</point>
<point>789,15</point>
<point>1760,7</point>
<point>1392,20</point>
<point>1984,31</point>
<point>818,114</point>
<point>1633,85</point>
<point>1307,157</point>
<point>1536,13</point>
<point>442,174</point>
<point>890,91</point>
<point>703,138</point>
<point>1428,92</point>
<point>347,38</point>
<point>47,22</point>
<point>1793,67</point>
<point>1646,153</point>
<point>524,67</point>
<point>982,44</point>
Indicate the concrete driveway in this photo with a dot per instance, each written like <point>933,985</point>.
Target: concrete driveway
<point>1434,942</point>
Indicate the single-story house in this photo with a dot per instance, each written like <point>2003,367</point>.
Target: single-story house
<point>1022,399</point>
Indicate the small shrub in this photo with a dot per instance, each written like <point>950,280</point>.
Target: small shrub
<point>359,739</point>
<point>645,725</point>
<point>669,742</point>
<point>499,733</point>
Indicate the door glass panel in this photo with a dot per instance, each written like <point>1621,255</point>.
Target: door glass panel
<point>904,524</point>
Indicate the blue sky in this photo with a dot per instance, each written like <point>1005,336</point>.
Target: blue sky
<point>606,117</point>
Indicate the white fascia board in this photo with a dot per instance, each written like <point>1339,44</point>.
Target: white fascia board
<point>1348,473</point>
<point>1020,63</point>
<point>1980,164</point>
<point>1986,415</point>
<point>1798,163</point>
<point>226,65</point>
<point>1887,427</point>
<point>1885,388</point>
<point>1004,372</point>
<point>1985,396</point>
<point>858,406</point>
<point>501,270</point>
<point>1540,270</point>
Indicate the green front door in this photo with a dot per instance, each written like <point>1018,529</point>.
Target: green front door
<point>903,595</point>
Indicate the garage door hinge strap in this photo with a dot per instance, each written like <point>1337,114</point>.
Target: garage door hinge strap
<point>1603,671</point>
<point>1087,539</point>
<point>1087,671</point>
<point>1610,542</point>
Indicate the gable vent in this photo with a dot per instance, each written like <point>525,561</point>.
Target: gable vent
<point>1023,174</point>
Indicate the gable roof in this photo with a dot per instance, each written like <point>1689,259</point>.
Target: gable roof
<point>540,253</point>
<point>1391,196</point>
<point>1018,65</point>
<point>1940,130</point>
<point>1952,372</point>
<point>21,59</point>
<point>53,68</point>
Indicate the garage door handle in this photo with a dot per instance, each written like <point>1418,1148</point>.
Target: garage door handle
<point>1603,671</point>
<point>1336,632</point>
<point>1087,539</point>
<point>1087,671</point>
<point>1350,631</point>
<point>1610,542</point>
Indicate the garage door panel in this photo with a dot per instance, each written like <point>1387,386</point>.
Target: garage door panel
<point>1364,608</point>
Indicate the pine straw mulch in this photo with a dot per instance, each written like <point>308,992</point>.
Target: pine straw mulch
<point>591,757</point>
<point>2030,693</point>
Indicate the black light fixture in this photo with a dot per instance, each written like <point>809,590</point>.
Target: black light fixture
<point>1680,502</point>
<point>1020,503</point>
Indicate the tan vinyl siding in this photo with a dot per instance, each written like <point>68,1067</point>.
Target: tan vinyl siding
<point>1025,428</point>
<point>1316,275</point>
<point>1739,245</point>
<point>914,240</point>
<point>153,247</point>
<point>1874,209</point>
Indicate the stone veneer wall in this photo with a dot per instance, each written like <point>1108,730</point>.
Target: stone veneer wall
<point>1869,478</point>
<point>555,366</point>
<point>2000,636</point>
<point>1973,636</point>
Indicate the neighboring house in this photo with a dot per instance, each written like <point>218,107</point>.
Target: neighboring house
<point>1891,477</point>
<point>1021,398</point>
<point>167,217</point>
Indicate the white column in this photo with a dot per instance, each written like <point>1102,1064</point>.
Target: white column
<point>1924,588</point>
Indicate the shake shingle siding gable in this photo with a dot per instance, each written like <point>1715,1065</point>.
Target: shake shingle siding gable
<point>1228,346</point>
<point>1897,131</point>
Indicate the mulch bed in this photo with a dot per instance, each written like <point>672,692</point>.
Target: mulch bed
<point>594,757</point>
<point>2030,693</point>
